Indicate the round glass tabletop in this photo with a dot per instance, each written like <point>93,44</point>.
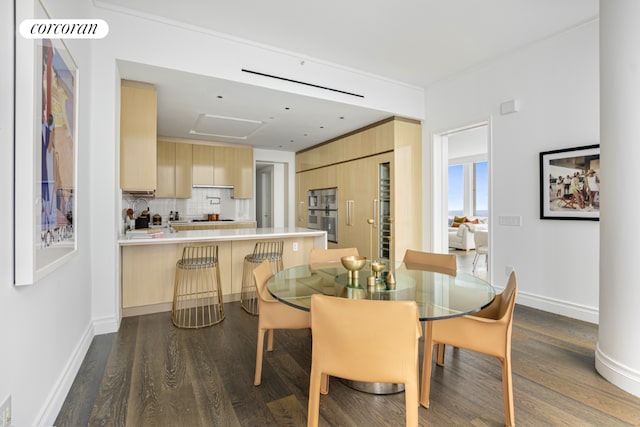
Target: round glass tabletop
<point>438,294</point>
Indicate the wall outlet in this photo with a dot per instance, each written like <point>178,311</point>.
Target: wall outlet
<point>5,412</point>
<point>295,246</point>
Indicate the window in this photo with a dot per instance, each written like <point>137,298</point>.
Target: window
<point>481,192</point>
<point>456,190</point>
<point>469,189</point>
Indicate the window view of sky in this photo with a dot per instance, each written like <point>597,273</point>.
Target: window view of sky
<point>456,189</point>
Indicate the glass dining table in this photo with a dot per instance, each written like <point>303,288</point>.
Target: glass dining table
<point>439,294</point>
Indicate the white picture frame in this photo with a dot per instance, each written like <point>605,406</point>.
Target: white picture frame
<point>46,153</point>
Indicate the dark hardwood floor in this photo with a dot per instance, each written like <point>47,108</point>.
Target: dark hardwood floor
<point>152,374</point>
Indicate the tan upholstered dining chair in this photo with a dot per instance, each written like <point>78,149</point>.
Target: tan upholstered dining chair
<point>487,332</point>
<point>440,262</point>
<point>326,256</point>
<point>272,315</point>
<point>364,340</point>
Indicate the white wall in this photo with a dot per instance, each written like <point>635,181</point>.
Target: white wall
<point>45,328</point>
<point>556,82</point>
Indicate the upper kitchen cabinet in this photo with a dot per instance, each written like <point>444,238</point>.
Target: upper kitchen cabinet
<point>212,165</point>
<point>203,164</point>
<point>243,173</point>
<point>174,170</point>
<point>137,136</point>
<point>224,166</point>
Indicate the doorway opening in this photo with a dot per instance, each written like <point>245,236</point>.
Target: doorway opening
<point>461,186</point>
<point>271,194</point>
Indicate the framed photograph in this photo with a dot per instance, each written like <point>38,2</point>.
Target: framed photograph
<point>570,183</point>
<point>46,148</point>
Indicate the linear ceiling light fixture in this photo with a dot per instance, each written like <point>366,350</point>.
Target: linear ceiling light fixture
<point>302,83</point>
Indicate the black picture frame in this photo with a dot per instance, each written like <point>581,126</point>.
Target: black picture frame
<point>570,183</point>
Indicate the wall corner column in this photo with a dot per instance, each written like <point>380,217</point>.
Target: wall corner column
<point>618,341</point>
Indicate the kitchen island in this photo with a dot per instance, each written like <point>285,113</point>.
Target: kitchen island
<point>148,264</point>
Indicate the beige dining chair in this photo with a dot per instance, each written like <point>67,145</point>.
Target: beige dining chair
<point>446,263</point>
<point>272,315</point>
<point>487,331</point>
<point>328,256</point>
<point>364,340</point>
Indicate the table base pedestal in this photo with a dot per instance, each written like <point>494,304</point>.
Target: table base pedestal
<point>374,388</point>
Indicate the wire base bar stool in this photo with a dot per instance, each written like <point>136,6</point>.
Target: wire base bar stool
<point>271,251</point>
<point>197,295</point>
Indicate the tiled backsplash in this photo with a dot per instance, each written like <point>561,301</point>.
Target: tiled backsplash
<point>203,201</point>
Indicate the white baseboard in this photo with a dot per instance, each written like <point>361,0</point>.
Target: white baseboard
<point>617,374</point>
<point>106,325</point>
<point>55,400</point>
<point>575,311</point>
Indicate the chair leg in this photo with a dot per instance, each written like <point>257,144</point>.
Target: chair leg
<point>313,411</point>
<point>259,350</point>
<point>411,402</point>
<point>270,340</point>
<point>507,392</point>
<point>427,359</point>
<point>324,385</point>
<point>440,354</point>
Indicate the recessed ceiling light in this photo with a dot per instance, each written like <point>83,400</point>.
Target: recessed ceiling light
<point>220,96</point>
<point>321,127</point>
<point>287,108</point>
<point>341,117</point>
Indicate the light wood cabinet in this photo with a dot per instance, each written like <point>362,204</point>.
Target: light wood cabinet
<point>358,194</point>
<point>184,165</point>
<point>224,166</point>
<point>352,164</point>
<point>314,179</point>
<point>203,163</point>
<point>215,226</point>
<point>166,169</point>
<point>137,136</point>
<point>243,173</point>
<point>174,170</point>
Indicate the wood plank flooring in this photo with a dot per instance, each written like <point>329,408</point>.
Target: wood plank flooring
<point>152,374</point>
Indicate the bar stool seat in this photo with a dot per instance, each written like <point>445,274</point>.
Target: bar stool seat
<point>271,251</point>
<point>197,294</point>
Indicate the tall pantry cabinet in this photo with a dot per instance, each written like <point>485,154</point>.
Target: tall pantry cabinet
<point>378,173</point>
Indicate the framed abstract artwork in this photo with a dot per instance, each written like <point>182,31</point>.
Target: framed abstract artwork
<point>570,183</point>
<point>45,149</point>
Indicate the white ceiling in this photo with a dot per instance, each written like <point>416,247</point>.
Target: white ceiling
<point>415,41</point>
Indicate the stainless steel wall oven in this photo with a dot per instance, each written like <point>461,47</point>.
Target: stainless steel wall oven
<point>323,212</point>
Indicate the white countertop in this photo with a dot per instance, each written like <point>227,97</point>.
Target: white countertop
<point>223,235</point>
